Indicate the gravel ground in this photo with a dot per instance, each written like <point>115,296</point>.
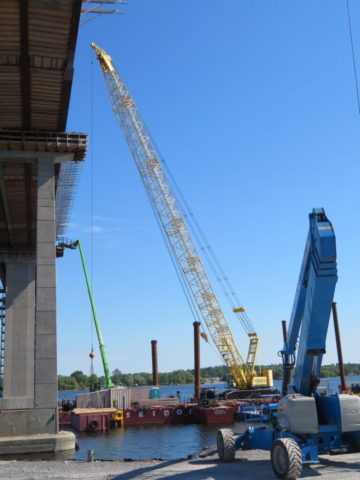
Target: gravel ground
<point>248,465</point>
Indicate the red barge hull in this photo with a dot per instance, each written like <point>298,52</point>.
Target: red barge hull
<point>150,415</point>
<point>180,414</point>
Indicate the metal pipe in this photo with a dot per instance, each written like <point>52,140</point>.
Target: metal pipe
<point>338,346</point>
<point>283,324</point>
<point>154,363</point>
<point>197,360</point>
<point>287,366</point>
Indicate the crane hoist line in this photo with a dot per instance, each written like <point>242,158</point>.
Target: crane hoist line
<point>165,203</point>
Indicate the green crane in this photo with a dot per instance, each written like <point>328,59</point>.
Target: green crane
<point>63,242</point>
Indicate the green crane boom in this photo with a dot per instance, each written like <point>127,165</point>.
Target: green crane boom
<point>109,383</point>
<point>72,245</point>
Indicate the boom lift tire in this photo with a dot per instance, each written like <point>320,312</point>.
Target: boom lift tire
<point>286,459</point>
<point>226,445</point>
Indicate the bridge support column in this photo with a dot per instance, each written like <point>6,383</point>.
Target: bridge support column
<point>20,328</point>
<point>46,387</point>
<point>29,404</point>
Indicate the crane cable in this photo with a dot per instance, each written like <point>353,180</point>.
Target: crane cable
<point>184,285</point>
<point>353,54</point>
<point>195,228</point>
<point>217,269</point>
<point>91,187</point>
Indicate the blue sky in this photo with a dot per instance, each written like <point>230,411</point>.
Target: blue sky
<point>253,106</point>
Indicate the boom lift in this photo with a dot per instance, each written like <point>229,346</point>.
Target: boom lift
<point>171,218</point>
<point>65,243</point>
<point>308,423</point>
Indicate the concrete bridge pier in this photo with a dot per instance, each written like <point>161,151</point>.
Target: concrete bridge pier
<point>28,409</point>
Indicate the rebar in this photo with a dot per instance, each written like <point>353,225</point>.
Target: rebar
<point>67,184</point>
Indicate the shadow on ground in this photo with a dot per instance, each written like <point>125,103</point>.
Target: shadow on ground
<point>202,470</point>
<point>207,469</point>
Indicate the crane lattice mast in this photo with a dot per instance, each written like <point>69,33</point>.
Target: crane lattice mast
<point>166,206</point>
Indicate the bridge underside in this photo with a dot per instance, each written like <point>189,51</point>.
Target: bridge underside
<point>37,50</point>
<point>39,170</point>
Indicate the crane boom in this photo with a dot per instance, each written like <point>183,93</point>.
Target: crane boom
<point>109,383</point>
<point>167,208</point>
<point>65,243</point>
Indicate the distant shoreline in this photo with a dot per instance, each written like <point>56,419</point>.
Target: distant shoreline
<point>208,383</point>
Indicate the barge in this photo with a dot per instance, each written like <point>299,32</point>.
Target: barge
<point>87,420</point>
<point>122,406</point>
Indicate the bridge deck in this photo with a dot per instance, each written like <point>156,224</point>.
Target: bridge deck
<point>37,49</point>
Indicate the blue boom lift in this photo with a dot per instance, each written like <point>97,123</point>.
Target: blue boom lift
<point>308,423</point>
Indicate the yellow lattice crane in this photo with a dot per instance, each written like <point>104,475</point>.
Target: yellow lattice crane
<point>170,216</point>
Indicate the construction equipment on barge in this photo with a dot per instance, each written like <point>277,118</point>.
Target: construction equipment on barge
<point>170,216</point>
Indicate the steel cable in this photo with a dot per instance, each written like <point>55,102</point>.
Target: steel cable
<point>353,54</point>
<point>195,228</point>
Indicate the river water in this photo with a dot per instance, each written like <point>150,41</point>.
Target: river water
<point>140,442</point>
<point>166,441</point>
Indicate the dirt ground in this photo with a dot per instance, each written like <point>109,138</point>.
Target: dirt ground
<point>248,465</point>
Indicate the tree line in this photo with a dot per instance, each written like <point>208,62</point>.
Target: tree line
<point>326,371</point>
<point>79,381</point>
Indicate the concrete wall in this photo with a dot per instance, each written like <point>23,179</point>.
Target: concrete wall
<point>28,422</point>
<point>29,405</point>
<point>45,338</point>
<point>19,333</point>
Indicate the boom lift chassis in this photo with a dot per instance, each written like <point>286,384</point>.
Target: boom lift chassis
<point>308,424</point>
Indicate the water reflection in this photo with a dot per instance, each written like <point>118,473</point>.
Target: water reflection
<point>140,442</point>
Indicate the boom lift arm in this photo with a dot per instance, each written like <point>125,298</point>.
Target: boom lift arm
<point>166,206</point>
<point>312,305</point>
<point>308,423</point>
<point>72,245</point>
